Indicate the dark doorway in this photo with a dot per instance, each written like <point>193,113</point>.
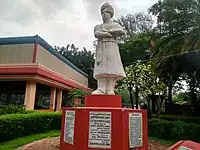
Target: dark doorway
<point>42,96</point>
<point>12,92</point>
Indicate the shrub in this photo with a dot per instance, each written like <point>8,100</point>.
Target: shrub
<point>18,125</point>
<point>175,130</point>
<point>12,109</point>
<point>186,119</point>
<point>158,128</point>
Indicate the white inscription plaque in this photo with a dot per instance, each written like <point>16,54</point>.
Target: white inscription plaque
<point>69,126</point>
<point>184,148</point>
<point>135,130</point>
<point>100,130</point>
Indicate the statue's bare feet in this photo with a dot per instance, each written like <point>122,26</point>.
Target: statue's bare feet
<point>98,92</point>
<point>110,93</point>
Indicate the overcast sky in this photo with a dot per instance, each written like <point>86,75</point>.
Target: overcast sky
<point>60,22</point>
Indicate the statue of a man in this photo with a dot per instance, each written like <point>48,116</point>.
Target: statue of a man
<point>108,67</point>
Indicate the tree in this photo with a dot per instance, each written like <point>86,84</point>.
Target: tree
<point>153,89</point>
<point>182,96</point>
<point>137,48</point>
<point>135,24</point>
<point>142,79</point>
<point>178,25</point>
<point>131,81</point>
<point>124,93</point>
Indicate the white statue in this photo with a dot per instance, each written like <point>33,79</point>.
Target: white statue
<point>108,67</point>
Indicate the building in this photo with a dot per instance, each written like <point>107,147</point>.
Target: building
<point>34,74</point>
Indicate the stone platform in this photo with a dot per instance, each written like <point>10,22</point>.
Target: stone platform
<point>103,125</point>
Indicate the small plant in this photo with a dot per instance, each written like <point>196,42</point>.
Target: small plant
<point>76,93</point>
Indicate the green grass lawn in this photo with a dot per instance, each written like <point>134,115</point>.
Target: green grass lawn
<point>11,145</point>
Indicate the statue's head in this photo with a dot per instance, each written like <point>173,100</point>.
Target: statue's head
<point>107,11</point>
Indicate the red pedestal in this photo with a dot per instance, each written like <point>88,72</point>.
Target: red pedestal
<point>103,101</point>
<point>185,145</point>
<point>103,128</point>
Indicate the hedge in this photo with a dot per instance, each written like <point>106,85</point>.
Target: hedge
<point>174,130</point>
<point>18,125</point>
<point>12,109</point>
<point>186,119</point>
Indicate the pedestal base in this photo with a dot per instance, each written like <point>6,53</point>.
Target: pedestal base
<point>108,128</point>
<point>185,145</point>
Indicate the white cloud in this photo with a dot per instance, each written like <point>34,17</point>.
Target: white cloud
<point>60,22</point>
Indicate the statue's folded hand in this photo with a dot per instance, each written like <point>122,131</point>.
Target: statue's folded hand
<point>105,30</point>
<point>100,34</point>
<point>111,31</point>
<point>118,31</point>
<point>107,34</point>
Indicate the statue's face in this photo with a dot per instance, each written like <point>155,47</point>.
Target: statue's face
<point>106,15</point>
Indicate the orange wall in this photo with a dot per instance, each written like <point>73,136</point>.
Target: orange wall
<point>50,61</point>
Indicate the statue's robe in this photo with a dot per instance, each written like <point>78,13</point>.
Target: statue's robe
<point>108,61</point>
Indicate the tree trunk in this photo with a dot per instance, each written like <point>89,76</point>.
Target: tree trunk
<point>153,100</point>
<point>149,108</point>
<point>159,103</point>
<point>192,86</point>
<point>169,105</point>
<point>192,94</point>
<point>131,96</point>
<point>170,94</point>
